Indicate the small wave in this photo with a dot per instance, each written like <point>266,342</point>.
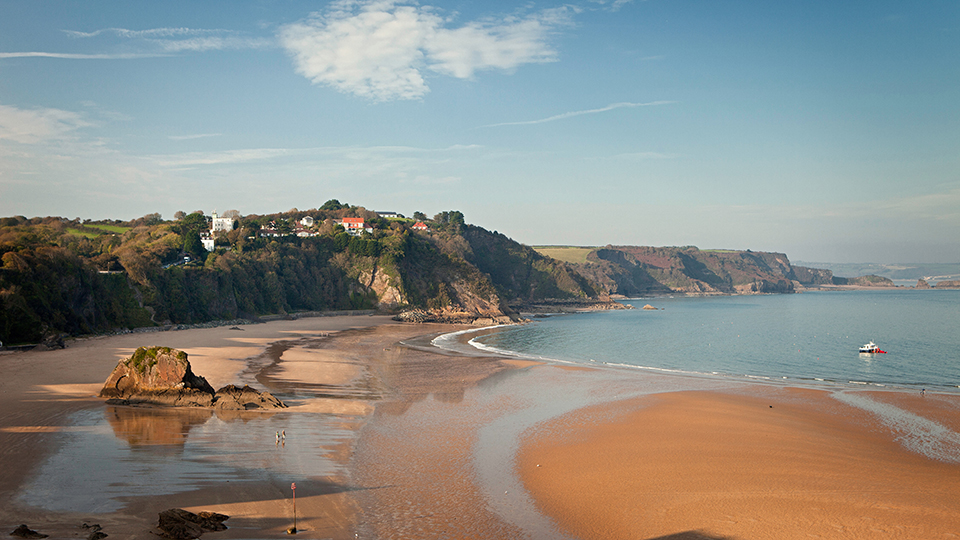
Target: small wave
<point>915,432</point>
<point>450,342</point>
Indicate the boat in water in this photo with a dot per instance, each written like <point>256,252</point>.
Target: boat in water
<point>871,348</point>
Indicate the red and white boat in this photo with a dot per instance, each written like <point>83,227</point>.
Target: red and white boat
<point>871,348</point>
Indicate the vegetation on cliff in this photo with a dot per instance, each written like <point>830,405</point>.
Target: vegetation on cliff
<point>61,276</point>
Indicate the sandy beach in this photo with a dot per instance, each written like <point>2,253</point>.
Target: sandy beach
<point>387,437</point>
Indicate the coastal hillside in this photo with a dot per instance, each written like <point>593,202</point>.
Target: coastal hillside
<point>71,277</point>
<point>642,270</point>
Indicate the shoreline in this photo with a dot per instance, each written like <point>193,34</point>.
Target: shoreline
<point>388,438</point>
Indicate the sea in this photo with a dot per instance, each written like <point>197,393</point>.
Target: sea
<point>807,338</point>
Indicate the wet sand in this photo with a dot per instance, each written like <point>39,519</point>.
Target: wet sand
<point>761,463</point>
<point>390,438</point>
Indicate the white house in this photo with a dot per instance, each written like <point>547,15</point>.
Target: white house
<point>307,221</point>
<point>355,226</point>
<point>207,242</point>
<point>224,224</point>
<point>389,215</point>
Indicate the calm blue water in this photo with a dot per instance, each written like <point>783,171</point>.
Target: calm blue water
<point>812,336</point>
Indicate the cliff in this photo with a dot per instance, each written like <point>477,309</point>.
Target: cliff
<point>865,281</point>
<point>642,270</point>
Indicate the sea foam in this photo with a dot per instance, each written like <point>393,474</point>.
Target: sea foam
<point>914,432</point>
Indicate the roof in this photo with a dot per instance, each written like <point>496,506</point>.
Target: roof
<point>353,220</point>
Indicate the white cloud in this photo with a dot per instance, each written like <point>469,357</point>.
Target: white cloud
<point>380,49</point>
<point>33,126</point>
<point>571,114</point>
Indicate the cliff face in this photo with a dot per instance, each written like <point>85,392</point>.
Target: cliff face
<point>638,270</point>
<point>865,281</point>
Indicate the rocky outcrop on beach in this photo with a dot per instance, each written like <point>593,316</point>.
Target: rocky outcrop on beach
<point>454,316</point>
<point>26,532</point>
<point>948,285</point>
<point>234,398</point>
<point>180,524</point>
<point>922,284</point>
<point>163,376</point>
<point>567,305</point>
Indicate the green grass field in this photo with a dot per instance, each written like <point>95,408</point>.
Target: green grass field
<point>85,234</point>
<point>570,254</point>
<point>111,228</point>
<point>104,229</point>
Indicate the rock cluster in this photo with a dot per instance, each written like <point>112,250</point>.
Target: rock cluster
<point>26,532</point>
<point>179,524</point>
<point>162,376</point>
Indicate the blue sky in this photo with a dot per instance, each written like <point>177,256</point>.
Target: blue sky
<point>827,130</point>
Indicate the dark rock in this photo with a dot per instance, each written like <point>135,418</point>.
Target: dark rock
<point>155,370</point>
<point>25,532</point>
<point>180,524</point>
<point>233,398</point>
<point>96,532</point>
<point>162,376</point>
<point>922,284</point>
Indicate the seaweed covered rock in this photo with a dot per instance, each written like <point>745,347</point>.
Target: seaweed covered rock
<point>231,397</point>
<point>183,525</point>
<point>163,376</point>
<point>158,375</point>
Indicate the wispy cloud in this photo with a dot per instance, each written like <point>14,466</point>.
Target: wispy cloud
<point>151,33</point>
<point>646,155</point>
<point>354,153</point>
<point>193,159</point>
<point>380,49</point>
<point>178,39</point>
<point>191,137</point>
<point>73,56</point>
<point>564,116</point>
<point>33,126</point>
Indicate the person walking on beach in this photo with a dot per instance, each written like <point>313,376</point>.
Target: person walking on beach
<point>278,437</point>
<point>923,391</point>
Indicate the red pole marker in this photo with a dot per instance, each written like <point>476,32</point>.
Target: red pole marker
<point>293,486</point>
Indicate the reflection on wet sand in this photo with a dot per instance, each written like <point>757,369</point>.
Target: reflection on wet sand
<point>143,426</point>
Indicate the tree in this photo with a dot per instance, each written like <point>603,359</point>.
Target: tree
<point>195,222</point>
<point>180,214</point>
<point>453,218</point>
<point>152,219</point>
<point>334,204</point>
<point>231,214</point>
<point>419,216</point>
<point>193,245</point>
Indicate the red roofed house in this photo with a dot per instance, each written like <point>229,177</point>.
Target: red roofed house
<point>419,226</point>
<point>355,225</point>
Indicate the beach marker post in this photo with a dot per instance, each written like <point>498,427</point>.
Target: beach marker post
<point>293,530</point>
